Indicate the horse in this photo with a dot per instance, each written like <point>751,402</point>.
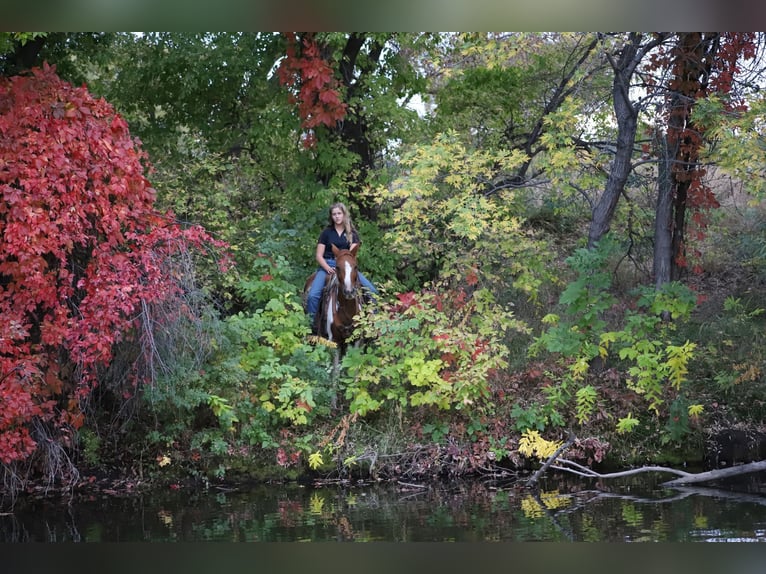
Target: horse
<point>341,299</point>
<point>341,302</point>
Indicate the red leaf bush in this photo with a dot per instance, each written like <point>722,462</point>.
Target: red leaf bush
<point>82,248</point>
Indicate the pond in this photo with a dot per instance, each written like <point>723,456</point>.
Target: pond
<point>563,509</point>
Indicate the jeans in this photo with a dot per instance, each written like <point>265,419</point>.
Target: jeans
<point>315,291</point>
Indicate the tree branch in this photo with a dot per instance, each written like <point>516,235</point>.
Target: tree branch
<point>573,467</point>
<point>718,473</point>
<point>683,476</point>
<point>570,440</point>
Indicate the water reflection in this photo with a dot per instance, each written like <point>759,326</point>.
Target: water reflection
<point>562,509</point>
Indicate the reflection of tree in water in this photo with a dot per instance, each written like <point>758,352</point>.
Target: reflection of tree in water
<point>642,517</point>
<point>562,508</point>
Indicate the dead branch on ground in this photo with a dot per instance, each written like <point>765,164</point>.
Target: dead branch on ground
<point>684,477</point>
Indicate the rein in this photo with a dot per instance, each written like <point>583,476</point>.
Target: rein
<point>335,288</point>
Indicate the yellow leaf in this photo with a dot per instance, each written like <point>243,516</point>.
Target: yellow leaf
<point>316,504</point>
<point>315,460</point>
<point>696,410</point>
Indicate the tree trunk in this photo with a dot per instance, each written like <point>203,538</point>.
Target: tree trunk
<point>679,152</point>
<point>24,56</point>
<point>627,121</point>
<point>718,474</point>
<point>626,112</point>
<point>353,132</point>
<point>663,223</point>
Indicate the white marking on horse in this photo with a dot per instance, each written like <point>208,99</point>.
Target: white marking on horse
<point>330,315</point>
<point>347,287</point>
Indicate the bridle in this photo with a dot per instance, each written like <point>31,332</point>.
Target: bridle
<point>355,292</point>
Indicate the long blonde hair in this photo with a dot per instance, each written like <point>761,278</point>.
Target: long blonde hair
<point>347,224</point>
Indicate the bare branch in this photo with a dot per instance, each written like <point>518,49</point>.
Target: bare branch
<point>684,477</point>
<point>551,459</point>
<point>718,473</point>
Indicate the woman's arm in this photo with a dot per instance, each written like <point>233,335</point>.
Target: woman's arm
<point>320,259</point>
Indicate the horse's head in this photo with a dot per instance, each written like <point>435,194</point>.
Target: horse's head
<point>346,271</point>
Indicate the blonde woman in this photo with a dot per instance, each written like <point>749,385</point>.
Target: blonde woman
<point>341,233</point>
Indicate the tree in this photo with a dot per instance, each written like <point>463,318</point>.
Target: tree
<point>224,142</point>
<point>500,91</point>
<point>686,66</point>
<point>74,53</point>
<point>351,90</point>
<point>19,50</point>
<point>554,461</point>
<point>700,63</point>
<point>83,252</point>
<point>624,64</point>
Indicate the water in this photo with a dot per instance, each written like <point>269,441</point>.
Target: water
<point>635,510</point>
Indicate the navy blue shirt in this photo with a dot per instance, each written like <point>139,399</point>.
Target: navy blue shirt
<point>330,237</point>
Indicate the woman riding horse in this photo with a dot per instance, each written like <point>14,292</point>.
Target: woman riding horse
<point>342,234</point>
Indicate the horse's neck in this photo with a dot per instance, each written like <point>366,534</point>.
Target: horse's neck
<point>347,306</point>
<point>343,307</point>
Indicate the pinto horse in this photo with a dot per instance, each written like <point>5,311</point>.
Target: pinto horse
<point>341,298</point>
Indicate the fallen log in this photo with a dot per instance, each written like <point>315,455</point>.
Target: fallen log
<point>718,473</point>
<point>683,477</point>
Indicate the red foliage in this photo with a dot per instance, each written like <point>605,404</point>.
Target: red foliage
<point>472,277</point>
<point>81,248</point>
<point>700,64</point>
<point>406,300</point>
<point>319,97</point>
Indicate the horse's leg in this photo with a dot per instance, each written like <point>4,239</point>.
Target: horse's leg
<point>330,305</point>
<point>329,318</point>
<point>334,379</point>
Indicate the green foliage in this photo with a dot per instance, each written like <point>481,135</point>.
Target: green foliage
<point>211,83</point>
<point>223,410</point>
<point>7,39</point>
<point>586,403</point>
<point>533,417</point>
<point>585,300</point>
<point>734,351</point>
<point>478,103</point>
<point>282,371</point>
<point>653,361</point>
<point>435,349</point>
<point>627,424</point>
<point>260,378</point>
<point>90,446</point>
<point>382,266</point>
<point>436,431</point>
<point>750,244</point>
<point>450,217</point>
<point>174,399</point>
<point>740,314</point>
<point>677,426</point>
<point>645,342</point>
<point>739,149</point>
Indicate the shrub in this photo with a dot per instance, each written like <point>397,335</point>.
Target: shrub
<point>82,251</point>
